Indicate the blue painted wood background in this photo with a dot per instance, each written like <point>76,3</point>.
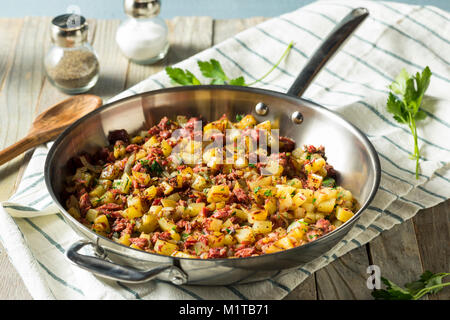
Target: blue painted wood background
<point>218,9</point>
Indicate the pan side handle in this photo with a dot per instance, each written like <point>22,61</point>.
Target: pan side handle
<point>332,43</point>
<point>110,270</point>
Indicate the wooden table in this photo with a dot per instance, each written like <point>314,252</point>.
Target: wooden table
<point>402,253</point>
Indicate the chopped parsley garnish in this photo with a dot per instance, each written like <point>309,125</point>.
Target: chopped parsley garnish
<point>268,193</point>
<point>156,168</point>
<point>251,165</point>
<point>329,182</point>
<point>239,117</point>
<point>256,189</point>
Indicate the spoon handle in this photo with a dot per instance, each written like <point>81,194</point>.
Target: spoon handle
<point>30,141</point>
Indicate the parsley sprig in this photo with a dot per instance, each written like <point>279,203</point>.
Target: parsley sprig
<point>213,70</point>
<point>404,103</point>
<point>428,283</point>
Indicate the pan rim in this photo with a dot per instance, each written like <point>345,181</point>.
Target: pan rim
<point>371,150</point>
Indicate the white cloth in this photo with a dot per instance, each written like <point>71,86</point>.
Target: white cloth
<point>354,84</point>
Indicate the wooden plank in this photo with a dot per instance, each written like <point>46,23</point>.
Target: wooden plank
<point>397,254</point>
<point>113,65</point>
<point>9,34</point>
<point>305,291</point>
<point>224,29</point>
<point>344,278</point>
<point>21,85</point>
<point>187,36</point>
<point>432,228</point>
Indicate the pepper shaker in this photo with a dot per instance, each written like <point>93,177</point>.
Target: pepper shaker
<point>143,37</point>
<point>71,63</point>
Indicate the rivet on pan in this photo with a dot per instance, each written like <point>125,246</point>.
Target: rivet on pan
<point>297,117</point>
<point>261,109</point>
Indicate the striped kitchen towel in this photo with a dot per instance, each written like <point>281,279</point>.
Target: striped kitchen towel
<point>354,84</point>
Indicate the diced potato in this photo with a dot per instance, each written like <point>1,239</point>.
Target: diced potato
<point>326,206</point>
<point>272,249</point>
<point>132,213</point>
<point>262,227</point>
<point>110,172</point>
<point>299,199</point>
<point>318,164</point>
<point>343,214</point>
<point>168,203</point>
<point>101,224</point>
<point>166,148</point>
<point>164,247</point>
<point>124,239</point>
<point>310,217</point>
<point>285,203</point>
<point>245,235</point>
<point>308,206</point>
<point>298,233</point>
<point>314,180</point>
<point>214,224</point>
<point>145,236</point>
<point>218,193</point>
<point>309,194</point>
<point>266,125</point>
<point>284,243</point>
<point>152,142</point>
<point>247,121</point>
<point>135,202</point>
<point>299,213</point>
<point>166,225</point>
<point>174,197</point>
<point>270,205</point>
<point>167,188</point>
<point>181,254</point>
<point>193,209</point>
<point>296,183</point>
<point>228,240</point>
<point>199,183</point>
<point>155,210</point>
<point>141,154</point>
<point>150,192</point>
<point>148,223</point>
<point>125,184</point>
<point>74,212</point>
<point>98,191</point>
<point>91,215</point>
<point>273,168</point>
<point>257,215</point>
<point>240,214</point>
<point>135,247</point>
<point>141,177</point>
<point>119,151</point>
<point>215,241</point>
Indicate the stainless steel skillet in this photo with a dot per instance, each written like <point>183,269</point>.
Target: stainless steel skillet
<point>347,149</point>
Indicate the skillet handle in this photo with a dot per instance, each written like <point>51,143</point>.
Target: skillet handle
<point>332,43</point>
<point>110,270</point>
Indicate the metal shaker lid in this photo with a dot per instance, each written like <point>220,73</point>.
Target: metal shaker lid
<point>69,30</point>
<point>142,8</point>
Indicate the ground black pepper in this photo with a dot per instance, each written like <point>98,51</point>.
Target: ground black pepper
<point>75,69</point>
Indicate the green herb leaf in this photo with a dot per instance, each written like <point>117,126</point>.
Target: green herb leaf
<point>428,283</point>
<point>405,100</point>
<point>213,70</point>
<point>182,77</point>
<point>156,168</point>
<point>329,182</point>
<point>240,81</point>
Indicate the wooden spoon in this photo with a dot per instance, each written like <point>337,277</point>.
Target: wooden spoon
<point>50,123</point>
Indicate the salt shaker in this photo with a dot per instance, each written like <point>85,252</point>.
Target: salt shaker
<point>142,38</point>
<point>71,63</point>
